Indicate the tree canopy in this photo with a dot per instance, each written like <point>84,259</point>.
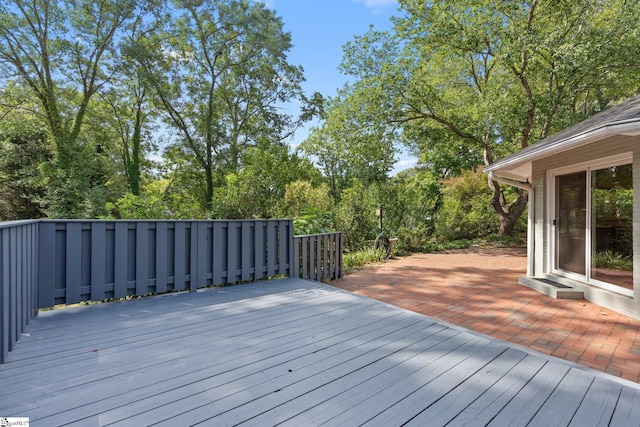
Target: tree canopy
<point>106,74</point>
<point>480,79</point>
<point>175,109</point>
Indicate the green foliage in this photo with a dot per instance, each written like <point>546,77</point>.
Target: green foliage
<point>313,222</point>
<point>410,203</point>
<point>501,240</point>
<point>61,52</point>
<point>23,148</point>
<point>355,216</point>
<point>612,260</point>
<point>219,72</point>
<point>469,81</point>
<point>150,204</point>
<point>351,143</point>
<point>79,191</point>
<point>466,212</point>
<point>257,191</point>
<point>441,246</point>
<point>301,197</point>
<point>359,259</point>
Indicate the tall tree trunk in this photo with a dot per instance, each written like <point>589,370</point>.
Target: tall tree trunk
<point>132,159</point>
<point>508,213</point>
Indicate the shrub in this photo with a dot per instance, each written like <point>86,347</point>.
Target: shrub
<point>356,216</point>
<point>466,210</point>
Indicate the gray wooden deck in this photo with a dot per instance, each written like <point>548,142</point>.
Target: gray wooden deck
<point>290,352</point>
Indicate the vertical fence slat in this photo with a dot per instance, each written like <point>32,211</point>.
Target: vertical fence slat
<point>98,259</point>
<point>198,255</point>
<point>219,249</point>
<point>73,274</point>
<point>179,248</point>
<point>161,256</point>
<point>297,249</point>
<point>232,252</point>
<point>332,258</point>
<point>21,315</point>
<point>246,243</point>
<point>120,259</point>
<point>260,252</point>
<point>13,289</point>
<point>142,258</point>
<point>318,275</point>
<point>13,297</point>
<point>46,261</point>
<point>283,242</point>
<point>36,267</point>
<point>272,248</point>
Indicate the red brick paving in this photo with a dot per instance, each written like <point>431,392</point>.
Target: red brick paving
<point>478,289</point>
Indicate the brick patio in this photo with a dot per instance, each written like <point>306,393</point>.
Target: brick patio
<point>478,289</point>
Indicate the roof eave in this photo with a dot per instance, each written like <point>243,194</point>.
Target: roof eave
<point>510,164</point>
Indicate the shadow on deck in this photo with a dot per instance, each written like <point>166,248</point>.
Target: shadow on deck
<point>290,351</point>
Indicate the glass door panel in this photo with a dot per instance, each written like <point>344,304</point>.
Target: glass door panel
<point>612,225</point>
<point>571,215</point>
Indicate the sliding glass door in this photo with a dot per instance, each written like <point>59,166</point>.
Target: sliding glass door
<point>571,222</point>
<point>593,225</point>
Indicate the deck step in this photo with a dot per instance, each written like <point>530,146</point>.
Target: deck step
<point>551,288</point>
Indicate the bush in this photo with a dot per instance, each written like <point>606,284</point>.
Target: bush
<point>313,222</point>
<point>301,198</point>
<point>466,208</point>
<point>361,258</point>
<point>356,216</point>
<point>434,246</point>
<point>614,261</point>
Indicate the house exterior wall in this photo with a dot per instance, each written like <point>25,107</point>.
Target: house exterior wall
<point>542,242</point>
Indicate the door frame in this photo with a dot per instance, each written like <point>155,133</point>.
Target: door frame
<point>552,258</point>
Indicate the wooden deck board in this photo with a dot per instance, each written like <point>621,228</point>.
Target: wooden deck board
<point>293,352</point>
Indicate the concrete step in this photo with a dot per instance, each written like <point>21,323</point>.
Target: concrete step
<point>551,288</point>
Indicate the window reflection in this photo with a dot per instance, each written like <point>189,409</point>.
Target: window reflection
<point>612,225</point>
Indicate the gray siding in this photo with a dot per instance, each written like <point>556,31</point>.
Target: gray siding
<point>18,281</point>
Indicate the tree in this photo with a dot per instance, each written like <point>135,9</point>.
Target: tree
<point>411,201</point>
<point>356,216</point>
<point>258,189</point>
<point>127,117</point>
<point>302,198</point>
<point>62,51</point>
<point>219,72</point>
<point>24,146</point>
<point>495,77</point>
<point>352,142</point>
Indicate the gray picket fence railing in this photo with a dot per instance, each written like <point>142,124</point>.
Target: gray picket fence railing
<point>18,280</point>
<point>44,263</point>
<point>319,256</point>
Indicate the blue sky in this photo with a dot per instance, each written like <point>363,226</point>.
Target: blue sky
<point>319,29</point>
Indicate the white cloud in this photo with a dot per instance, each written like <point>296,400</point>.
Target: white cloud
<point>378,4</point>
<point>404,164</point>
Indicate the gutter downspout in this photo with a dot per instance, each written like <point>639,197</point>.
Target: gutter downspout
<point>530,217</point>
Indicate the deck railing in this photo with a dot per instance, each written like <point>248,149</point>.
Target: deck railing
<point>18,280</point>
<point>51,262</point>
<point>319,256</point>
